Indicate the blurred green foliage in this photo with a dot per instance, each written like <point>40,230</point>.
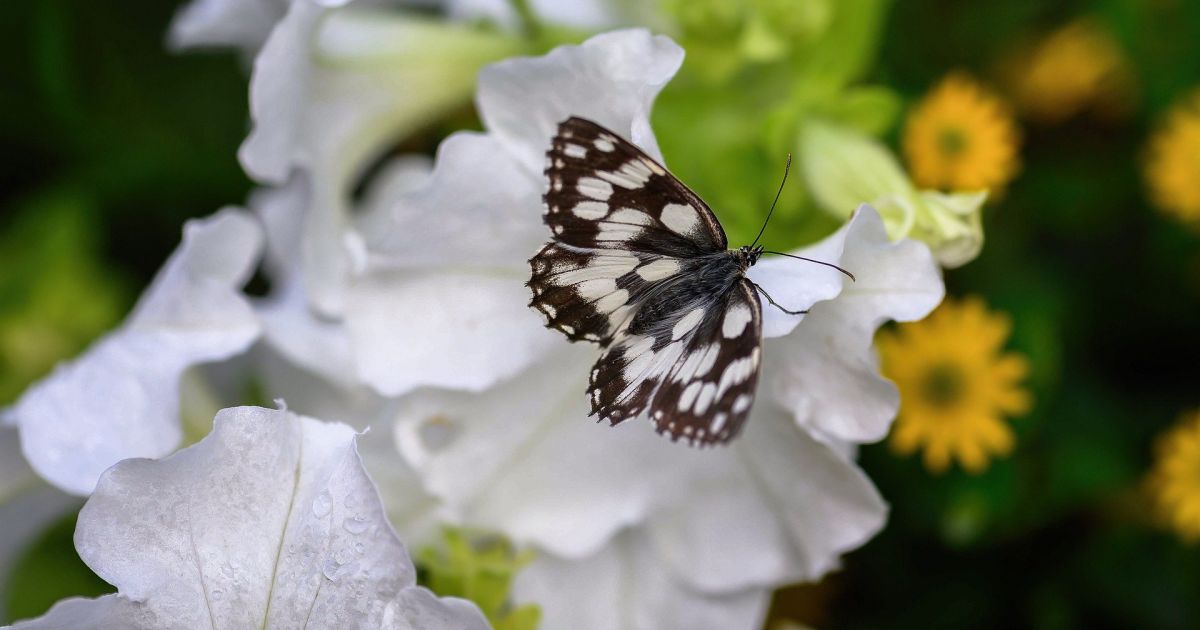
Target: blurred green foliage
<point>480,569</point>
<point>50,570</point>
<point>55,294</point>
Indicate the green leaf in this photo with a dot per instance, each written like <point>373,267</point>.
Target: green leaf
<point>48,571</point>
<point>55,295</point>
<point>481,569</point>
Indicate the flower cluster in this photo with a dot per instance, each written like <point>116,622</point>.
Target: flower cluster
<point>398,304</point>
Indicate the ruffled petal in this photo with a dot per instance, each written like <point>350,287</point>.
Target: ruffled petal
<point>776,507</point>
<point>826,372</point>
<point>120,399</point>
<point>331,90</point>
<point>524,458</point>
<point>625,586</point>
<point>269,521</point>
<point>611,79</point>
<point>242,24</point>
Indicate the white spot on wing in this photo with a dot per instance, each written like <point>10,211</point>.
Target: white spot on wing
<point>741,403</point>
<point>603,144</point>
<point>735,322</point>
<point>680,219</point>
<point>632,174</point>
<point>710,358</point>
<point>612,301</point>
<point>707,394</point>
<point>574,151</point>
<point>597,189</point>
<point>659,269</point>
<point>590,210</point>
<point>654,168</point>
<point>629,215</point>
<point>689,395</point>
<point>687,323</point>
<point>596,288</point>
<point>610,231</point>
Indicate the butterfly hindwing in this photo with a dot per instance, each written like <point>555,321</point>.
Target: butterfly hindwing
<point>589,294</point>
<point>695,374</point>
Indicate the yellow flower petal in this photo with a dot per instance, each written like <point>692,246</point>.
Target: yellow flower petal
<point>956,385</point>
<point>961,137</point>
<point>1173,482</point>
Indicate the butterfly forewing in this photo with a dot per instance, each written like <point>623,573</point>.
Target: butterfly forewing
<point>638,264</point>
<point>606,193</point>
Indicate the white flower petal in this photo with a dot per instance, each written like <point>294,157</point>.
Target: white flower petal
<point>242,24</point>
<point>120,398</point>
<point>611,78</point>
<point>777,506</point>
<point>331,90</point>
<point>314,343</point>
<point>476,210</point>
<point>589,14</point>
<point>451,329</point>
<point>796,284</point>
<point>269,521</point>
<point>525,459</point>
<point>625,586</point>
<point>410,509</point>
<point>110,612</point>
<point>826,372</point>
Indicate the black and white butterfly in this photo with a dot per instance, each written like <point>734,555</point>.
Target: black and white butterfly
<point>638,264</point>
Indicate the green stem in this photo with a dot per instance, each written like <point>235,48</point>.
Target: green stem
<point>530,25</point>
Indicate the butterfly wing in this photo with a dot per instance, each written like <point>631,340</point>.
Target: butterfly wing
<point>622,225</point>
<point>605,193</point>
<point>695,371</point>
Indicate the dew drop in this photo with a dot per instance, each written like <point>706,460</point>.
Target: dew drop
<point>322,504</point>
<point>335,570</point>
<point>356,524</point>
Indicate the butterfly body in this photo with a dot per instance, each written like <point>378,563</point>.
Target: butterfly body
<point>639,265</point>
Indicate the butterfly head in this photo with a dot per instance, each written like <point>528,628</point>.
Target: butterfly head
<point>748,255</point>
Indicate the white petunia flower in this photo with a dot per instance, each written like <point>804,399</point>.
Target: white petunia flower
<point>120,398</point>
<point>242,24</point>
<point>519,456</point>
<point>270,521</point>
<point>332,89</point>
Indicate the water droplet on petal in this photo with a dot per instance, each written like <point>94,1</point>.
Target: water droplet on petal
<point>356,524</point>
<point>322,504</point>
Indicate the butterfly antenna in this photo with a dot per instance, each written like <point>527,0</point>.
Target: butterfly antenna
<point>786,169</point>
<point>819,262</point>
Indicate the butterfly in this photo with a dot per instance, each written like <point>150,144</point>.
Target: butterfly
<point>639,265</point>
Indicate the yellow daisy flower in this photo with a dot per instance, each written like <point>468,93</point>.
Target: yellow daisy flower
<point>1173,167</point>
<point>956,385</point>
<point>961,137</point>
<point>1174,481</point>
<point>1078,66</point>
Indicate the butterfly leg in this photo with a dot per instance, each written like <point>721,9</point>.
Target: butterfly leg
<point>774,303</point>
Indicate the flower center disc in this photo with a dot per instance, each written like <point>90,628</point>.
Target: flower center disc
<point>952,141</point>
<point>943,385</point>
